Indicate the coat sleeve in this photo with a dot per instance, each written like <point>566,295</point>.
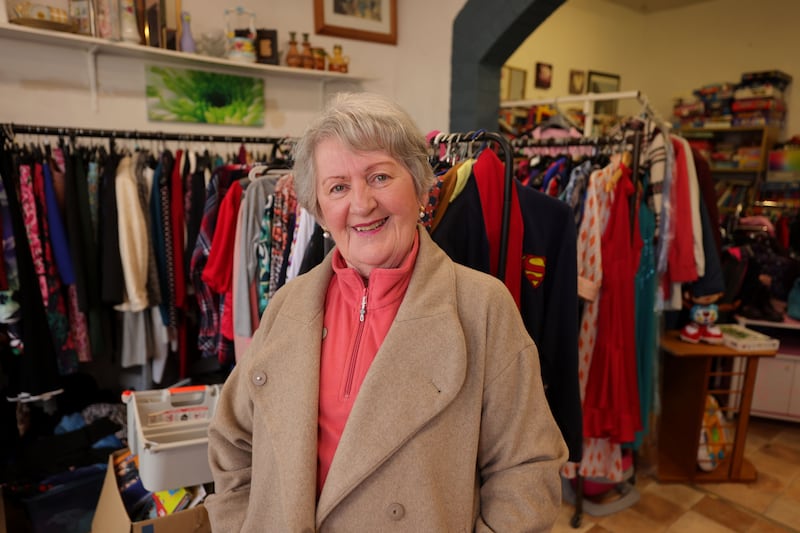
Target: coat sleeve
<point>521,448</point>
<point>230,454</point>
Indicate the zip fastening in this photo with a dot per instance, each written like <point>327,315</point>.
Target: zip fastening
<point>351,370</point>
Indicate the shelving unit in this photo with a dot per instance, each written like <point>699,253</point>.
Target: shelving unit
<point>686,377</point>
<point>94,46</point>
<point>737,185</point>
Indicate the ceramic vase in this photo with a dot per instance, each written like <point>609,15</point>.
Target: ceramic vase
<point>187,41</point>
<point>129,29</point>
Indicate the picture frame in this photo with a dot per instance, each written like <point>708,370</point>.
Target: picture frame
<point>512,83</point>
<point>544,76</point>
<point>603,82</point>
<point>267,46</point>
<point>349,19</point>
<point>577,81</point>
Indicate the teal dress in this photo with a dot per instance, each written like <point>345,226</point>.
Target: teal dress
<point>646,321</point>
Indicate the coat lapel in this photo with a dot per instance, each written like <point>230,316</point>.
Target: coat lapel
<point>417,372</point>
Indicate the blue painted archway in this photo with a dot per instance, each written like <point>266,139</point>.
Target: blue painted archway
<point>485,34</point>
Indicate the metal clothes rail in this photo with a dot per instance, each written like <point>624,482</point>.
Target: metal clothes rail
<point>10,129</point>
<point>589,100</point>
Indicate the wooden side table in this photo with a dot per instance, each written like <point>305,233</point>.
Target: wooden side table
<point>685,383</point>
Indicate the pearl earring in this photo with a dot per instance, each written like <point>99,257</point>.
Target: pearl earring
<point>325,234</point>
<point>421,211</point>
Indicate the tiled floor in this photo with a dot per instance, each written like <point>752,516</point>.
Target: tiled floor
<point>770,504</point>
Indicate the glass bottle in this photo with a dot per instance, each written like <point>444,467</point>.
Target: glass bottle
<point>308,56</point>
<point>293,58</point>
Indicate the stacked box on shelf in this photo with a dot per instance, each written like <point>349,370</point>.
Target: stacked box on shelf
<point>759,99</point>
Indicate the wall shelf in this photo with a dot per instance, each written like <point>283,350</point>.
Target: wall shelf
<point>94,45</point>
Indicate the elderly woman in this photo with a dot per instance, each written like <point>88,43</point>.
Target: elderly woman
<point>388,389</point>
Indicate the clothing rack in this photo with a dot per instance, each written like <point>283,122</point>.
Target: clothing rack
<point>10,129</point>
<point>634,141</point>
<point>508,179</point>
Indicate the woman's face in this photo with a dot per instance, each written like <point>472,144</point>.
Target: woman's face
<point>368,204</point>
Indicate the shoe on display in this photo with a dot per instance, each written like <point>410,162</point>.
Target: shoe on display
<point>711,334</point>
<point>691,333</point>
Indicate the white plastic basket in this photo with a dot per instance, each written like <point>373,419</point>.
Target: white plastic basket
<point>168,430</point>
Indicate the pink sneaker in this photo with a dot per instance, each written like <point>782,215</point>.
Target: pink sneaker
<point>691,333</point>
<point>711,334</point>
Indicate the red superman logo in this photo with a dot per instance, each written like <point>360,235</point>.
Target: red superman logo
<point>534,267</point>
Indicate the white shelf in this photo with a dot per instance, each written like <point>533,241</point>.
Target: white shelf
<point>93,46</point>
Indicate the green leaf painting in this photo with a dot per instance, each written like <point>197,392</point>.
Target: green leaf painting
<point>183,95</point>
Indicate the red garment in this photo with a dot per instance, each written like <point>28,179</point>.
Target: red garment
<point>218,272</point>
<point>490,177</point>
<point>681,264</point>
<point>611,404</point>
<point>351,344</point>
<point>177,220</point>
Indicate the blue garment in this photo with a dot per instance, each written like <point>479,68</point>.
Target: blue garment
<point>58,234</point>
<point>159,245</point>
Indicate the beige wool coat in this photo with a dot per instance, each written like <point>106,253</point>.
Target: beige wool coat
<point>450,430</point>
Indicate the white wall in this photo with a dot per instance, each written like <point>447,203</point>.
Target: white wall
<point>667,53</point>
<point>44,85</point>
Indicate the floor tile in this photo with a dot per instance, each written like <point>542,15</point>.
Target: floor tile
<point>682,495</point>
<point>785,510</point>
<point>726,514</point>
<point>765,526</point>
<point>693,522</point>
<point>630,521</point>
<point>756,496</point>
<point>658,509</point>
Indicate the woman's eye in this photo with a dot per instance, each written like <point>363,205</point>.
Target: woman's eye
<point>381,178</point>
<point>337,188</point>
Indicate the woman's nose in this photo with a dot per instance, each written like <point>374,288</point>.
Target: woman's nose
<point>363,201</point>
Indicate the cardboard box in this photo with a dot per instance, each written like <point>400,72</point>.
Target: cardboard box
<point>112,517</point>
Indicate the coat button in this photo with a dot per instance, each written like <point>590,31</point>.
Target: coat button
<point>396,511</point>
<point>324,332</point>
<point>259,378</point>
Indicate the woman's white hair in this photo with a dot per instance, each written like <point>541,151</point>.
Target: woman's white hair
<point>362,122</point>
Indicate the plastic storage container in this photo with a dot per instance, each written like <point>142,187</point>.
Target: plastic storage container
<point>168,430</point>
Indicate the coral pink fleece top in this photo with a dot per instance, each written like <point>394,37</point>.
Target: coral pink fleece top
<point>357,318</point>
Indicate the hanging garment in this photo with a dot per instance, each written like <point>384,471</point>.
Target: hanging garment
<point>611,404</point>
<point>646,318</point>
<point>549,286</point>
<point>601,457</point>
<point>33,369</point>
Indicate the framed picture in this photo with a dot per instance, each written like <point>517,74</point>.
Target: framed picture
<point>267,46</point>
<point>355,19</point>
<point>577,81</point>
<point>199,96</point>
<point>603,82</point>
<point>544,75</point>
<point>512,83</point>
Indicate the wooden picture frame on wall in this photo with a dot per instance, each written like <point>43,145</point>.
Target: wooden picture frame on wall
<point>603,82</point>
<point>356,20</point>
<point>512,83</point>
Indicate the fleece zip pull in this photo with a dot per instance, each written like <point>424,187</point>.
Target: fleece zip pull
<point>351,369</point>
